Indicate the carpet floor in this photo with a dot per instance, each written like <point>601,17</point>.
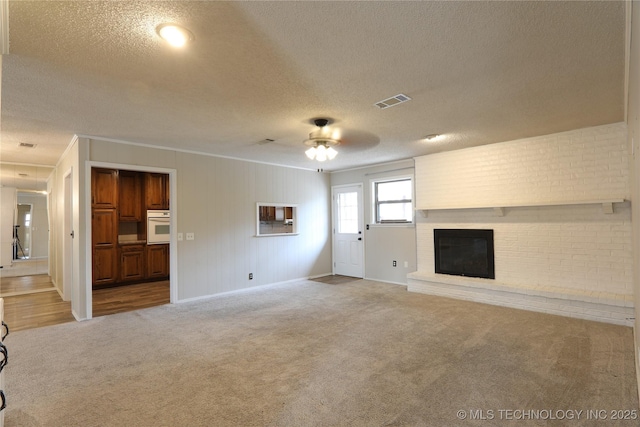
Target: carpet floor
<point>361,353</point>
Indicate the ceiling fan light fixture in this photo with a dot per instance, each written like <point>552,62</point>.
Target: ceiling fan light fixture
<point>322,141</point>
<point>311,153</point>
<point>175,35</point>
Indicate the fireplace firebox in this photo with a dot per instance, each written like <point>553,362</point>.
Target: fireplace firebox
<point>464,252</point>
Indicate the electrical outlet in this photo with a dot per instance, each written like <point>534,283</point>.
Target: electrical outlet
<point>395,263</point>
<point>191,236</point>
<point>250,276</point>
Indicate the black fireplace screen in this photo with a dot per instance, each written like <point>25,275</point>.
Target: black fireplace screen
<point>463,252</point>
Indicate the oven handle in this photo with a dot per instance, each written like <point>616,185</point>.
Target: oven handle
<point>159,219</point>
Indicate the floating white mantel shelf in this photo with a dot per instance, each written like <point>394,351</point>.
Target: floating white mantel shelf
<point>607,206</point>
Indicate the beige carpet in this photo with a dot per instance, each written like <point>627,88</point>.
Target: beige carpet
<point>314,354</point>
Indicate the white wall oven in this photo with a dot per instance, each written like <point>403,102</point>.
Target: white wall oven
<point>158,227</point>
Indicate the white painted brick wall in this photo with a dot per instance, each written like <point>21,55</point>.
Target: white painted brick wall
<point>585,164</point>
<point>575,250</point>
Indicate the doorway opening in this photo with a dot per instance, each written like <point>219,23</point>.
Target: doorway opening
<point>130,239</point>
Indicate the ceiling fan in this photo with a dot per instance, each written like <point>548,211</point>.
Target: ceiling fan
<point>322,142</point>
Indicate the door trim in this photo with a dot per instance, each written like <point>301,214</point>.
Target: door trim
<point>173,244</point>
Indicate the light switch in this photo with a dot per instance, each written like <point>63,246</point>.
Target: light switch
<point>191,236</point>
<point>179,237</point>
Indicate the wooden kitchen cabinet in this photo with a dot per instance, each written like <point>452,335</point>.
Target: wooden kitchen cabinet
<point>104,236</point>
<point>130,196</point>
<point>132,265</point>
<point>104,188</point>
<point>118,227</point>
<point>157,261</point>
<point>156,189</point>
<point>267,213</point>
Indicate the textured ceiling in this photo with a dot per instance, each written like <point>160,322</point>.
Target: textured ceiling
<point>477,72</point>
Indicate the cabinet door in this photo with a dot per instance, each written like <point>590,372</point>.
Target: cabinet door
<point>130,196</point>
<point>104,188</point>
<point>156,191</point>
<point>104,227</point>
<point>132,263</point>
<point>157,261</point>
<point>104,236</point>
<point>105,261</point>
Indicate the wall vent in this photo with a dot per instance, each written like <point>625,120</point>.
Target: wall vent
<point>27,145</point>
<point>390,102</point>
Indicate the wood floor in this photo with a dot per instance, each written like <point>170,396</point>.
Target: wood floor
<point>32,301</point>
<point>130,297</point>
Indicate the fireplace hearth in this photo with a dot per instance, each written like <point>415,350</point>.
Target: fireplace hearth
<point>464,252</point>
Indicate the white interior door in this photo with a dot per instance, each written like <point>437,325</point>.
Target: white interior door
<point>348,254</point>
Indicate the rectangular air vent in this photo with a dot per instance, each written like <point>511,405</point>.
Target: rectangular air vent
<point>394,100</point>
<point>27,145</point>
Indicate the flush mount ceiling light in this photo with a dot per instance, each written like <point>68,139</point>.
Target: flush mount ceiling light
<point>321,142</point>
<point>433,137</point>
<point>175,35</point>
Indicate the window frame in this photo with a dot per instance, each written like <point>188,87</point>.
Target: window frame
<point>375,203</point>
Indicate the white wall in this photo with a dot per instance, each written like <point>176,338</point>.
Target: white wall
<point>570,252</point>
<point>586,164</point>
<point>75,291</point>
<point>216,199</point>
<point>383,243</point>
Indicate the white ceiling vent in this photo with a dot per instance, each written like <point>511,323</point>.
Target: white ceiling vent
<point>390,102</point>
<point>26,145</point>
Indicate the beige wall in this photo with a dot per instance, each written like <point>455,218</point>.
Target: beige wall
<point>214,198</point>
<point>383,243</point>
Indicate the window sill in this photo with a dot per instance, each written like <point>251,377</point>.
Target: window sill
<point>394,225</point>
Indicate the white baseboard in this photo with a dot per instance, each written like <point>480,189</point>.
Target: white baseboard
<point>385,281</point>
<point>78,318</point>
<point>251,288</point>
<point>600,307</point>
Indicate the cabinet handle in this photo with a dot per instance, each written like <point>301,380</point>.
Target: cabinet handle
<point>4,400</point>
<point>5,359</point>
<point>6,330</point>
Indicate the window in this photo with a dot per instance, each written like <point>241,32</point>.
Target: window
<point>393,201</point>
<point>348,213</point>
